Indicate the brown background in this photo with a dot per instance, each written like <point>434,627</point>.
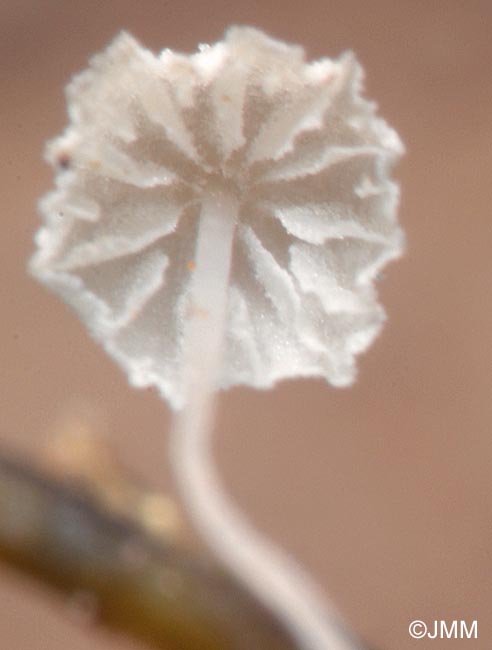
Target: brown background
<point>384,491</point>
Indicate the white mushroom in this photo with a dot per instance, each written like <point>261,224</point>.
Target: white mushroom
<point>220,219</point>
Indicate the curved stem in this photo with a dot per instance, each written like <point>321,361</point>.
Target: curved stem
<point>272,577</point>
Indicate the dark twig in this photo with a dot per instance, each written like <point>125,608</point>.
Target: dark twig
<point>154,590</point>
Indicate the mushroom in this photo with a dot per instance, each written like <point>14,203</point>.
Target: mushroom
<point>220,219</point>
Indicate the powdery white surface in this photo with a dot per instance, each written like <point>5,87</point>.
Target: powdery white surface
<point>293,142</point>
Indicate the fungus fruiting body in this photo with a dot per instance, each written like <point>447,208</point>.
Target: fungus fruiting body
<point>220,219</point>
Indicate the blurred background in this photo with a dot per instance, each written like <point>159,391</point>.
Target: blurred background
<point>383,491</point>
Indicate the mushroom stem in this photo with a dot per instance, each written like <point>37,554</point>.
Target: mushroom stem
<point>275,579</point>
<point>204,329</point>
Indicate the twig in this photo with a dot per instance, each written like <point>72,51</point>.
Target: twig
<point>156,592</point>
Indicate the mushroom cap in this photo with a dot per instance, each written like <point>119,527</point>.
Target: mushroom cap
<point>294,142</point>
